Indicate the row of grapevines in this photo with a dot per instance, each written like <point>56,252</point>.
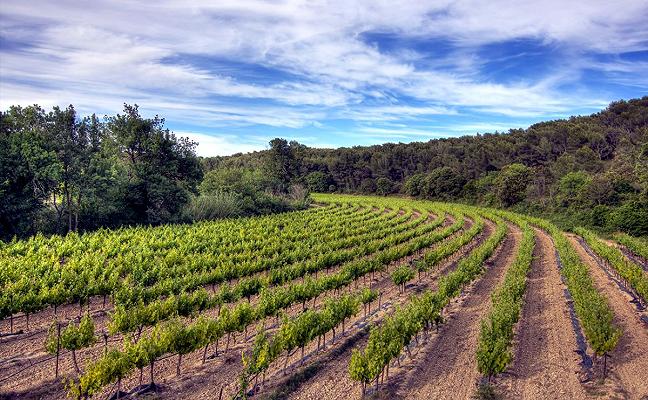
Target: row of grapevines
<point>496,334</point>
<point>128,319</point>
<point>592,308</point>
<point>432,258</point>
<point>297,332</point>
<point>387,341</point>
<point>43,280</point>
<point>636,245</point>
<point>175,266</point>
<point>49,272</point>
<point>239,317</point>
<point>631,273</point>
<point>299,259</point>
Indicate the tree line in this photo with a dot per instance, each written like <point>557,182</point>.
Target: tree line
<point>61,172</point>
<point>586,170</point>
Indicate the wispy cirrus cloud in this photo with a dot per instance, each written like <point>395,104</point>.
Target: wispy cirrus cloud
<point>232,70</point>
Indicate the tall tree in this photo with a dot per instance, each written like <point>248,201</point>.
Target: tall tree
<point>28,169</point>
<point>162,170</point>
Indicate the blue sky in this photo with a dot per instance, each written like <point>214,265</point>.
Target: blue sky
<point>234,74</point>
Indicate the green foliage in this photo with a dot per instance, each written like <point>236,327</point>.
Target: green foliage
<point>413,185</point>
<point>282,163</point>
<point>215,206</point>
<point>384,186</point>
<point>74,337</point>
<point>591,307</point>
<point>318,181</point>
<point>247,192</point>
<point>111,367</point>
<point>496,334</point>
<point>442,183</point>
<point>61,173</point>
<point>299,331</point>
<point>572,189</point>
<point>520,168</point>
<point>368,185</point>
<point>173,337</point>
<point>387,341</point>
<point>402,275</point>
<point>628,271</point>
<point>632,217</point>
<point>511,184</point>
<point>636,245</point>
<point>27,160</point>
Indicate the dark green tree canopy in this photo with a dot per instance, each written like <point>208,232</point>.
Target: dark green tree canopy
<point>61,173</point>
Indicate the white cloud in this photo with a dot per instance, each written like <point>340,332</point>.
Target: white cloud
<point>220,145</point>
<point>172,57</point>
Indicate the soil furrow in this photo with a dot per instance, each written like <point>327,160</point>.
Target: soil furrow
<point>446,366</point>
<point>545,363</point>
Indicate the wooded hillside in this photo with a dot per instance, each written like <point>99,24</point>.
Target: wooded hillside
<point>592,170</point>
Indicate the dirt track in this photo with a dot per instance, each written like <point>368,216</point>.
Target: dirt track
<point>446,366</point>
<point>545,365</point>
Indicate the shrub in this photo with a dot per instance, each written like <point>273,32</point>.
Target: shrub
<point>214,206</point>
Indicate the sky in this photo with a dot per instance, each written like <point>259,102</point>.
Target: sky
<point>234,74</point>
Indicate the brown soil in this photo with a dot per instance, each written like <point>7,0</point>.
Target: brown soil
<point>545,365</point>
<point>326,376</point>
<point>628,365</point>
<point>446,368</point>
<point>205,383</point>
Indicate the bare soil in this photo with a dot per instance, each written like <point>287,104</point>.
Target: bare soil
<point>446,367</point>
<point>545,364</point>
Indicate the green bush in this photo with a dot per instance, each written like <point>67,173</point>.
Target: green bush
<point>214,206</point>
<point>631,217</point>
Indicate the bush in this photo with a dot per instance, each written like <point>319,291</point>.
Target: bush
<point>318,181</point>
<point>631,217</point>
<point>511,184</point>
<point>384,186</point>
<point>214,206</point>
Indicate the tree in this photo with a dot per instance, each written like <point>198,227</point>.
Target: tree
<point>442,183</point>
<point>162,169</point>
<point>413,185</point>
<point>318,181</point>
<point>368,185</point>
<point>28,170</point>
<point>384,186</point>
<point>571,189</point>
<point>511,184</point>
<point>281,163</point>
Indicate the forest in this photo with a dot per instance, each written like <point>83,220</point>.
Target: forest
<point>62,172</point>
<point>586,170</point>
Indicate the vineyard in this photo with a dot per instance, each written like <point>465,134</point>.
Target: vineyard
<point>355,296</point>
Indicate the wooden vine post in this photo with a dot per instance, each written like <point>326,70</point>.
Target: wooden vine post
<point>58,347</point>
